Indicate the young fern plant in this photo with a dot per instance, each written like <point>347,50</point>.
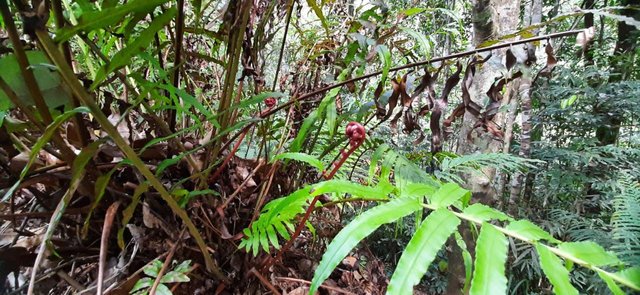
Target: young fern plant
<point>411,192</point>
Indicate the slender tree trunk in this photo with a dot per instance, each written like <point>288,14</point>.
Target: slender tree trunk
<point>535,16</point>
<point>491,19</point>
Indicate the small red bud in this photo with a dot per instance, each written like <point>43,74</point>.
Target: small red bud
<point>270,102</point>
<point>355,132</point>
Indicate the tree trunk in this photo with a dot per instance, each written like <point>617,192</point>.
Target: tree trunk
<point>534,17</point>
<point>491,19</point>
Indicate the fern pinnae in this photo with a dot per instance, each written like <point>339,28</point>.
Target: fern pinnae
<point>358,229</point>
<point>491,255</point>
<point>422,250</point>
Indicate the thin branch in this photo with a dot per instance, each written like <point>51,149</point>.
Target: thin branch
<point>292,3</point>
<point>407,66</point>
<point>178,59</point>
<point>104,243</point>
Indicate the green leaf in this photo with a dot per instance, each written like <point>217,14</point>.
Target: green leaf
<point>589,252</point>
<point>341,186</point>
<point>448,194</point>
<point>468,262</point>
<point>301,138</point>
<point>107,17</point>
<point>413,11</point>
<point>491,255</point>
<point>385,57</point>
<point>318,11</point>
<point>163,290</point>
<point>611,284</point>
<point>418,190</point>
<point>377,155</point>
<point>273,237</point>
<point>556,272</point>
<point>174,277</point>
<point>420,40</point>
<point>529,231</point>
<point>153,269</point>
<point>142,284</point>
<point>55,93</point>
<point>629,277</point>
<point>100,187</point>
<point>42,140</point>
<point>302,157</point>
<point>332,117</point>
<point>183,267</point>
<point>480,213</point>
<point>422,250</point>
<point>140,43</point>
<point>362,226</point>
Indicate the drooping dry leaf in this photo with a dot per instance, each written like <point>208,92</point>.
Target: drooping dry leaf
<point>510,59</point>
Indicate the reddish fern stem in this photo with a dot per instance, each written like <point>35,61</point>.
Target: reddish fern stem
<point>356,134</point>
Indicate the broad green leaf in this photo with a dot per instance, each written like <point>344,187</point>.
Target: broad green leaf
<point>468,262</point>
<point>332,117</point>
<point>420,40</point>
<point>529,231</point>
<point>341,186</point>
<point>629,277</point>
<point>318,11</point>
<point>264,241</point>
<point>422,250</point>
<point>448,194</point>
<point>140,43</point>
<point>377,155</point>
<point>317,114</point>
<point>302,157</point>
<point>55,93</point>
<point>418,190</point>
<point>44,139</point>
<point>556,272</point>
<point>309,121</point>
<point>481,213</point>
<point>163,290</point>
<point>491,255</point>
<point>183,267</point>
<point>362,226</point>
<point>174,277</point>
<point>142,284</point>
<point>589,252</point>
<point>611,284</point>
<point>107,17</point>
<point>153,269</point>
<point>385,57</point>
<point>413,11</point>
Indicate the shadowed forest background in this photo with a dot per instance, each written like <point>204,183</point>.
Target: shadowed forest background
<point>319,147</point>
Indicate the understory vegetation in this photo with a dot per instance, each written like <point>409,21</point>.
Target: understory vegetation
<point>319,147</point>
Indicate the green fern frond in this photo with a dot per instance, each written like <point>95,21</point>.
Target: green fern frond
<point>452,166</point>
<point>626,221</point>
